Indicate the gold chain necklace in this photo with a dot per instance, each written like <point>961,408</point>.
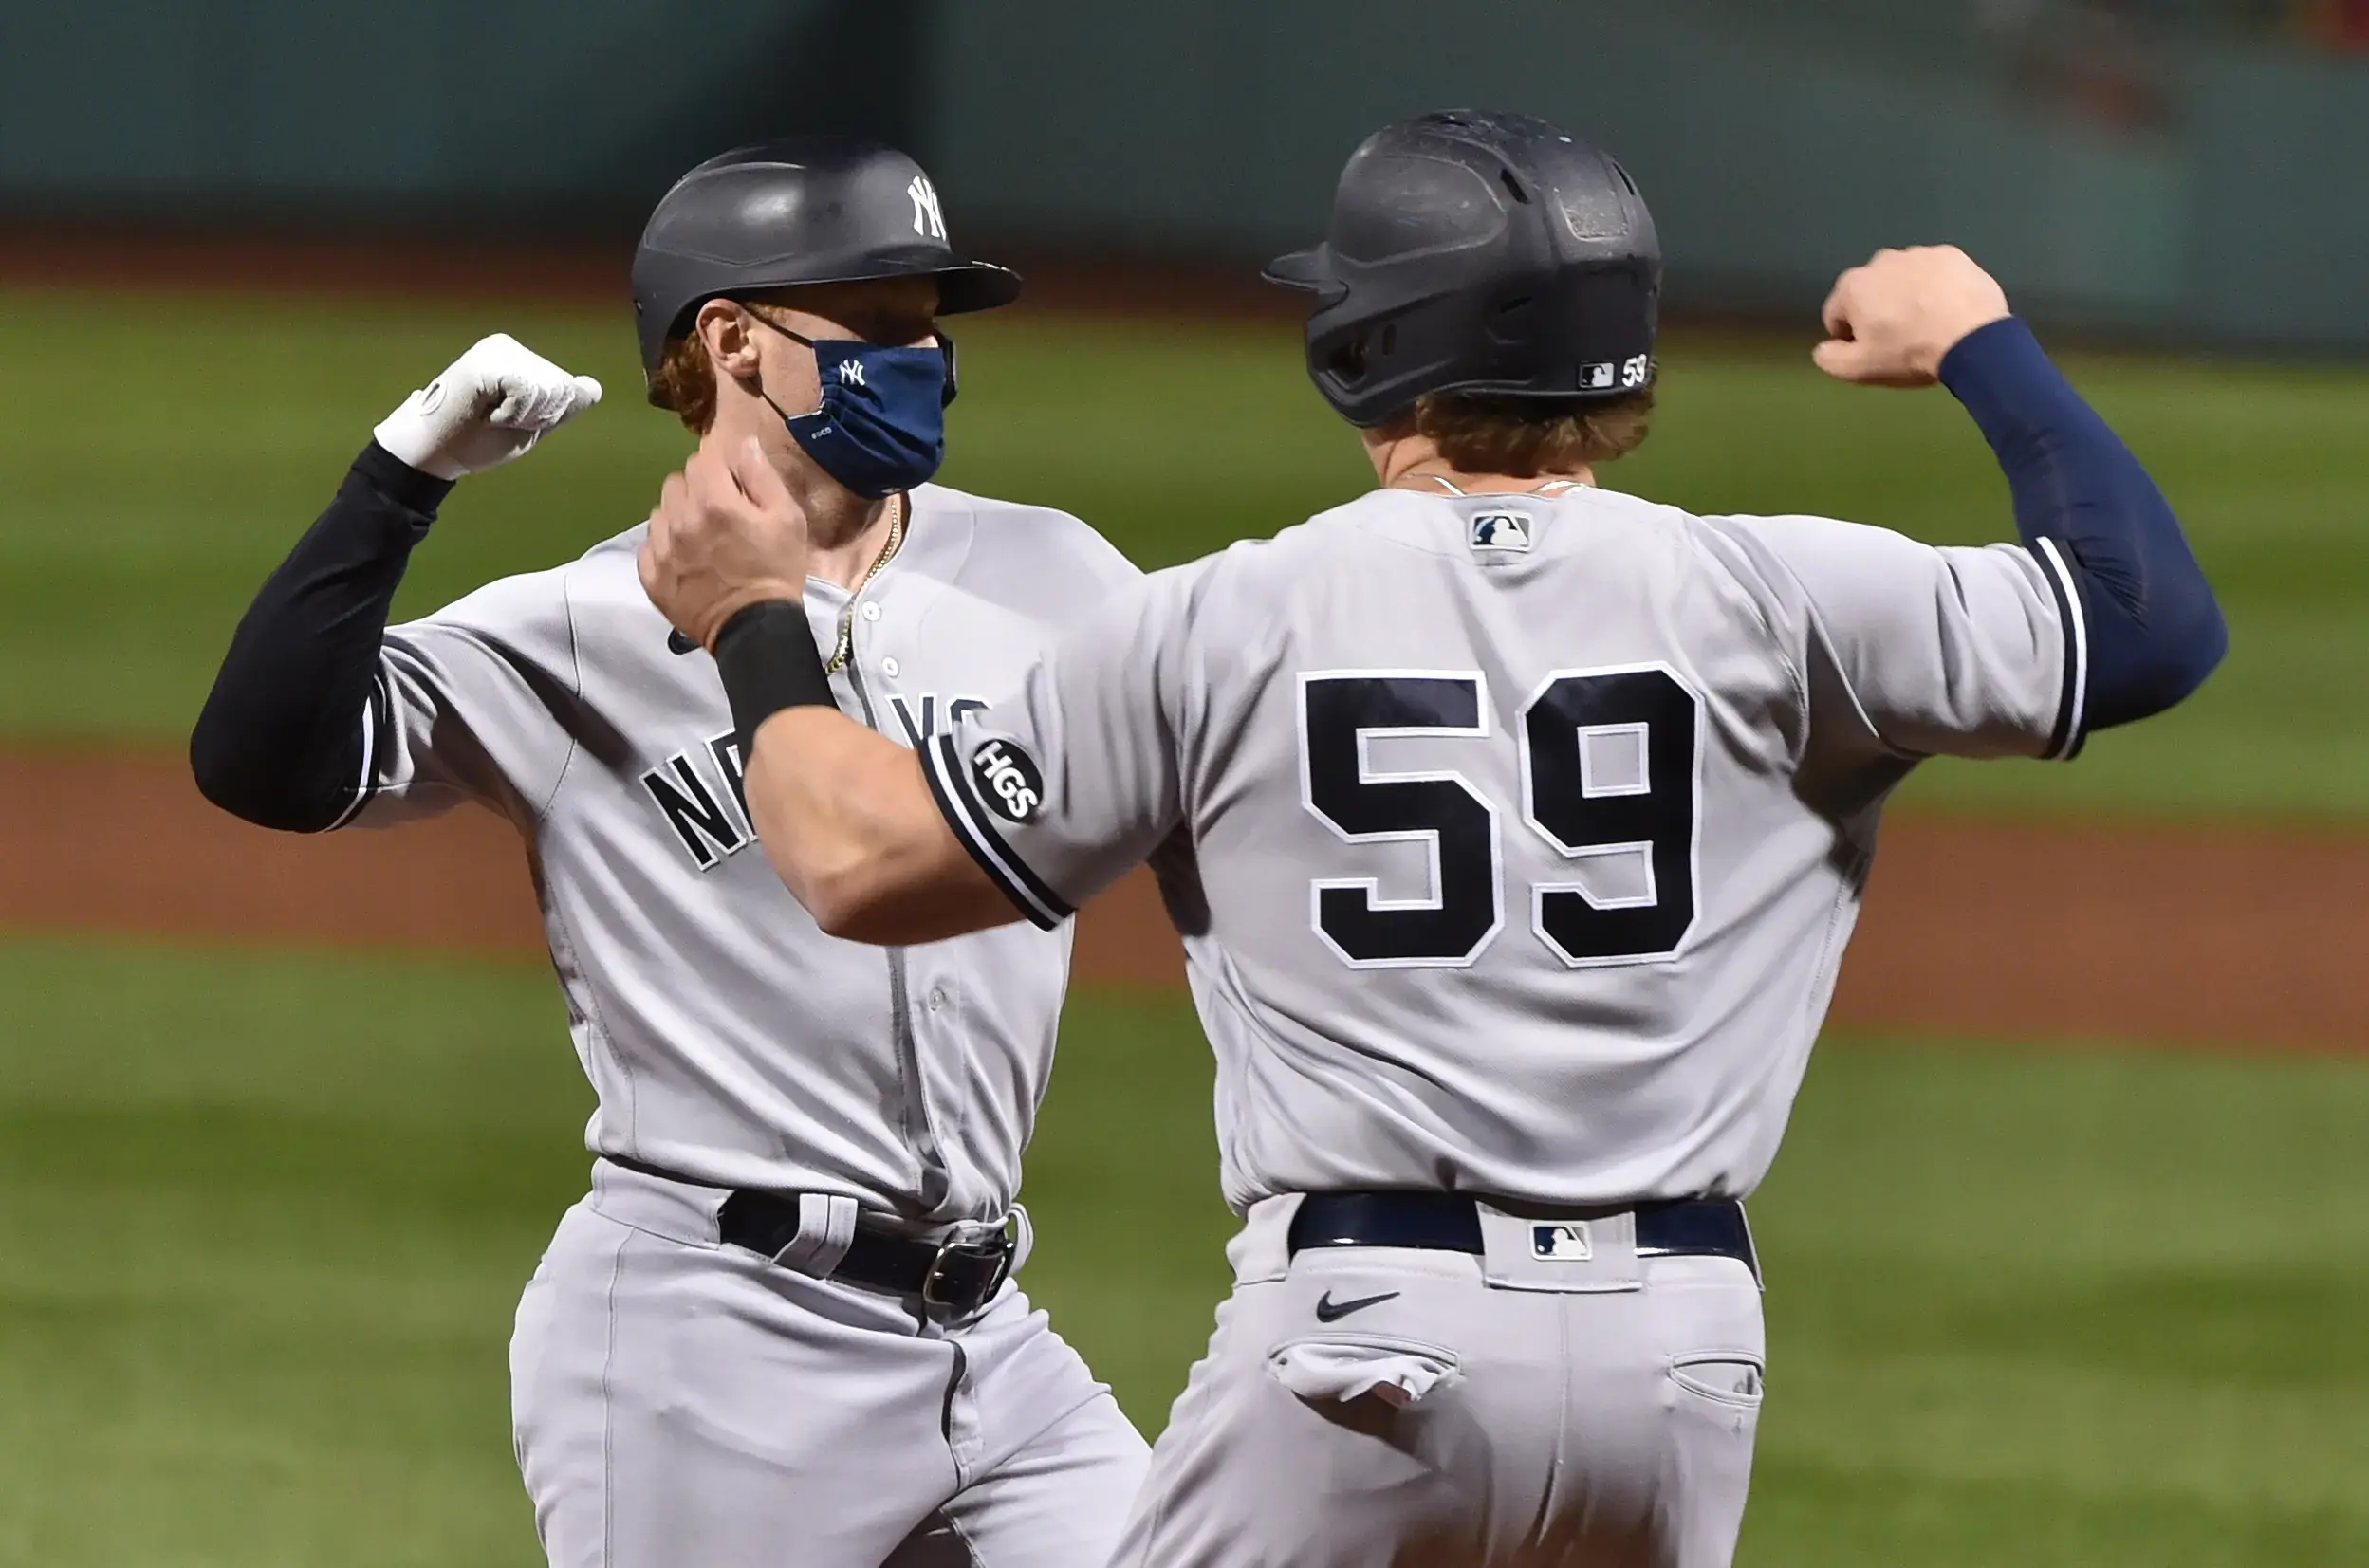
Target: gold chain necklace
<point>847,648</point>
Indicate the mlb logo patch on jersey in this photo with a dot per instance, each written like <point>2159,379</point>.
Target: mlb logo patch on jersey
<point>1502,530</point>
<point>1563,1242</point>
<point>1007,779</point>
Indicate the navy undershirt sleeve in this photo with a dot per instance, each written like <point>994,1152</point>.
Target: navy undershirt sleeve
<point>2154,631</point>
<point>280,741</point>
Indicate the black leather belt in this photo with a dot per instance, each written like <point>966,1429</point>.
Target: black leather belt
<point>953,1277</point>
<point>1447,1222</point>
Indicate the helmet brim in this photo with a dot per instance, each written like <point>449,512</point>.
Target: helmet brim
<point>974,285</point>
<point>1309,269</point>
<point>963,284</point>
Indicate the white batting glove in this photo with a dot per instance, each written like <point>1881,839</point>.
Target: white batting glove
<point>489,406</point>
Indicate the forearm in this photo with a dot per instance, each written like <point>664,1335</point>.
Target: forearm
<point>2153,630</point>
<point>846,818</point>
<point>849,826</point>
<point>281,738</point>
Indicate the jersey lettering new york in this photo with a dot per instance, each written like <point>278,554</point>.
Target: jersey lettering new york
<point>701,796</point>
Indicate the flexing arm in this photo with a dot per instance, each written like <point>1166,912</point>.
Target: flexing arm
<point>2156,631</point>
<point>2153,629</point>
<point>285,733</point>
<point>282,738</point>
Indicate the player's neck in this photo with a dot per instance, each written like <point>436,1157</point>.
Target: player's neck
<point>1443,480</point>
<point>1410,462</point>
<point>845,531</point>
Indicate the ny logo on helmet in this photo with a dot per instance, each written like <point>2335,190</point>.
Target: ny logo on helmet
<point>928,221</point>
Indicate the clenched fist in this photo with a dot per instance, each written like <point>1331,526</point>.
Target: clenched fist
<point>489,406</point>
<point>725,535</point>
<point>1890,323</point>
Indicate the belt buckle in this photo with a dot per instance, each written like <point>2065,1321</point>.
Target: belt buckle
<point>973,1241</point>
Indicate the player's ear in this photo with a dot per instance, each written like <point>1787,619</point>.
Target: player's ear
<point>723,328</point>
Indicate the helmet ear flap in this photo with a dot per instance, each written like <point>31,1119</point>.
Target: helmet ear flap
<point>1348,359</point>
<point>1360,354</point>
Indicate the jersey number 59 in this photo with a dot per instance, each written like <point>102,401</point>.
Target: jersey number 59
<point>1610,761</point>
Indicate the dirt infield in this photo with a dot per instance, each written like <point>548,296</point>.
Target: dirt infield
<point>2225,936</point>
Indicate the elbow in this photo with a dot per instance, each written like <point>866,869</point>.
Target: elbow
<point>855,915</point>
<point>843,901</point>
<point>2187,652</point>
<point>220,775</point>
<point>234,779</point>
<point>839,909</point>
<point>873,907</point>
<point>2169,668</point>
<point>2206,645</point>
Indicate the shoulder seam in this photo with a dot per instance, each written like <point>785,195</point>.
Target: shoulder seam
<point>576,689</point>
<point>1760,614</point>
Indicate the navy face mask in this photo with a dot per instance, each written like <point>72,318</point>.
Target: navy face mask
<point>881,428</point>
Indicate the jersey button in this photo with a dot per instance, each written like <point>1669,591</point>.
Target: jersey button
<point>871,612</point>
<point>888,668</point>
<point>937,999</point>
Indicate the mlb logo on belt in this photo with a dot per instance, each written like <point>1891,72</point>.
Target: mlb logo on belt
<point>1501,531</point>
<point>1563,1242</point>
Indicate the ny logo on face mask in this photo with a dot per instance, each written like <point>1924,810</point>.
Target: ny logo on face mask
<point>928,221</point>
<point>851,371</point>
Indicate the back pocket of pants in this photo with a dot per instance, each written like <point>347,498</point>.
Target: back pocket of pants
<point>1728,1376</point>
<point>1346,1367</point>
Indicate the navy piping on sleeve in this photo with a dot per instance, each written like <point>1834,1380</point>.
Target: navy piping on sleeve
<point>2064,742</point>
<point>950,785</point>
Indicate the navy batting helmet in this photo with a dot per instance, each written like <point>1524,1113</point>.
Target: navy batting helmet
<point>1479,252</point>
<point>812,209</point>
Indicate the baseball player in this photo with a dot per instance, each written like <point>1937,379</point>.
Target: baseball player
<point>781,1329</point>
<point>1514,828</point>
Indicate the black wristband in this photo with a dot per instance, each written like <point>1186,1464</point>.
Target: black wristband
<point>768,659</point>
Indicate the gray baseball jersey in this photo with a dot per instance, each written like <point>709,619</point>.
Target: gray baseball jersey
<point>1514,839</point>
<point>727,1038</point>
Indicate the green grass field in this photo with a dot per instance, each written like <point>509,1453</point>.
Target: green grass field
<point>263,1220</point>
<point>160,454</point>
<point>263,1217</point>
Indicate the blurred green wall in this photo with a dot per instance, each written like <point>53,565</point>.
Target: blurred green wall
<point>1771,157</point>
<point>1775,147</point>
<point>504,111</point>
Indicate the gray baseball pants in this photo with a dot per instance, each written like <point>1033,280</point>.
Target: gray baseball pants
<point>678,1403</point>
<point>1506,1408</point>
